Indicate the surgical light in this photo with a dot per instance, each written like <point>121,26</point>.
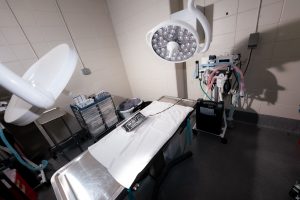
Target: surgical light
<point>177,40</point>
<point>35,92</point>
<point>39,87</point>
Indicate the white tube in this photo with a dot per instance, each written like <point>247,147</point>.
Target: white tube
<point>23,89</point>
<point>203,20</point>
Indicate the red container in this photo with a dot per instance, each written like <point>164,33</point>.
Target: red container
<point>16,178</point>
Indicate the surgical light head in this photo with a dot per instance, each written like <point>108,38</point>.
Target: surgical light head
<point>177,40</point>
<point>39,87</point>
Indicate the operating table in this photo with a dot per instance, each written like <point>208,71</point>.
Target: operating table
<point>86,175</point>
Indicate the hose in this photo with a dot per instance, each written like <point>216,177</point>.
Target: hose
<point>204,91</point>
<point>212,74</point>
<point>15,153</point>
<point>241,80</point>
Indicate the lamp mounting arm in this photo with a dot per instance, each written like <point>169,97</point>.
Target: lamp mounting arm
<point>203,20</point>
<point>16,85</point>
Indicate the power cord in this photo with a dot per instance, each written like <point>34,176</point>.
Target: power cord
<point>256,29</point>
<point>248,62</point>
<point>250,53</point>
<point>165,109</point>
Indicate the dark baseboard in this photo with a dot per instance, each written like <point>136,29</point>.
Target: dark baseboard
<point>267,121</point>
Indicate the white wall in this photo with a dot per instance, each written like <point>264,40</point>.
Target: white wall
<point>92,29</point>
<point>272,78</point>
<point>149,77</point>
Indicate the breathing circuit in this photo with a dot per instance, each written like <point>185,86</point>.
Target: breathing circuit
<point>216,75</point>
<point>217,72</point>
<point>28,164</point>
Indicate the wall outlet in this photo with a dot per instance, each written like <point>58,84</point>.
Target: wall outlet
<point>253,40</point>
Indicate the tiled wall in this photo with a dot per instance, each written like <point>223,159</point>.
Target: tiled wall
<point>91,28</point>
<point>272,80</point>
<point>149,76</point>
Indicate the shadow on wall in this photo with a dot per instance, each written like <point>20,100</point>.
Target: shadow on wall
<point>263,86</point>
<point>273,51</point>
<point>261,83</point>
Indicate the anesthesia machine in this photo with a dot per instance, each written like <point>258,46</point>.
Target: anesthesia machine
<point>216,76</point>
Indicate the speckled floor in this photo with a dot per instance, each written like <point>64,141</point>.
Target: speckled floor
<point>256,164</point>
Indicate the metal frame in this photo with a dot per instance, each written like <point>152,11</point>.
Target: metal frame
<point>82,122</point>
<point>95,176</point>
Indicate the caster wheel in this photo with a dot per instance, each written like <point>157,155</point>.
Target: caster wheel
<point>223,140</point>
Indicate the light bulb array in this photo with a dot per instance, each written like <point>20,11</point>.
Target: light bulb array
<point>186,40</point>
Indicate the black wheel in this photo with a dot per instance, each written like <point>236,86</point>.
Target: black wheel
<point>223,140</point>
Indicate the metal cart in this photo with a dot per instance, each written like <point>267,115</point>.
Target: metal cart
<point>97,118</point>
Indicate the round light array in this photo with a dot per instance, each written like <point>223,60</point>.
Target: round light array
<point>185,43</point>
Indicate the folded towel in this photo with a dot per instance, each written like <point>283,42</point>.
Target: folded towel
<point>126,154</point>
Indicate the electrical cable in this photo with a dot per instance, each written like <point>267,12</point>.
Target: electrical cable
<point>258,13</point>
<point>250,53</point>
<point>248,62</point>
<point>256,29</point>
<point>165,109</point>
<point>72,39</point>
<point>204,91</point>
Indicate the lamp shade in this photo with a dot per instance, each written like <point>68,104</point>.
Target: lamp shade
<point>39,87</point>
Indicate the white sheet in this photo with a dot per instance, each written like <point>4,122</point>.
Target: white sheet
<point>126,154</point>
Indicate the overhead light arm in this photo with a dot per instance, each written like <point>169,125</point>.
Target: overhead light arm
<point>204,22</point>
<point>23,89</point>
<point>40,86</point>
<point>176,40</point>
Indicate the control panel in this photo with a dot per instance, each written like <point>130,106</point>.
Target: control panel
<point>134,122</point>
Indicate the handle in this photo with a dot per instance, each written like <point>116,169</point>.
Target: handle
<point>23,89</point>
<point>203,21</point>
<point>148,38</point>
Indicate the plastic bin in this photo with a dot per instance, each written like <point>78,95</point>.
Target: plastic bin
<point>126,107</point>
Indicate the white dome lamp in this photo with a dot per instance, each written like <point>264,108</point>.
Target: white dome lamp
<point>39,87</point>
<point>176,40</point>
<point>35,92</point>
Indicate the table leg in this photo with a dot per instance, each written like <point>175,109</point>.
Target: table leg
<point>166,170</point>
<point>71,133</point>
<point>56,145</point>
